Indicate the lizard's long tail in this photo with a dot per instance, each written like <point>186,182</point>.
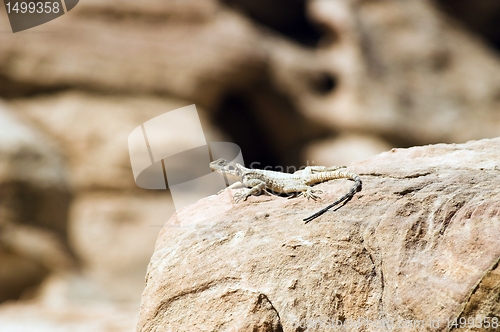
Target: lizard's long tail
<point>349,195</point>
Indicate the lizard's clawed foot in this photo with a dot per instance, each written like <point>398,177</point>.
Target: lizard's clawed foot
<point>241,195</point>
<point>311,193</point>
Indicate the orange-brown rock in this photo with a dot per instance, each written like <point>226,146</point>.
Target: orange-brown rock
<point>419,245</point>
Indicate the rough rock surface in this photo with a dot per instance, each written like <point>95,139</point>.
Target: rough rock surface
<point>418,245</point>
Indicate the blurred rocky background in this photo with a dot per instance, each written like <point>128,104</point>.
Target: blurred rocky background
<point>292,82</point>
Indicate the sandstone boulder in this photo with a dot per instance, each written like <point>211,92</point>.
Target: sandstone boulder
<point>418,247</point>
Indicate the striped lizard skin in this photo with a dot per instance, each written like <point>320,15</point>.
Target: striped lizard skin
<point>298,183</point>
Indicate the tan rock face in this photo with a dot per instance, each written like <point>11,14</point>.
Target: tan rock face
<point>419,245</point>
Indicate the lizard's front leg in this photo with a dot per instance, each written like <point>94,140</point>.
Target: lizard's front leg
<point>256,187</point>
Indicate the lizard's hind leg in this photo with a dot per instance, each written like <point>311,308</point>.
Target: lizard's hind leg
<point>311,193</point>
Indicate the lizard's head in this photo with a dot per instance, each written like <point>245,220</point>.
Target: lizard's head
<point>223,166</point>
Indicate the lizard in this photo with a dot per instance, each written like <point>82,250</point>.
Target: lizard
<point>298,183</point>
